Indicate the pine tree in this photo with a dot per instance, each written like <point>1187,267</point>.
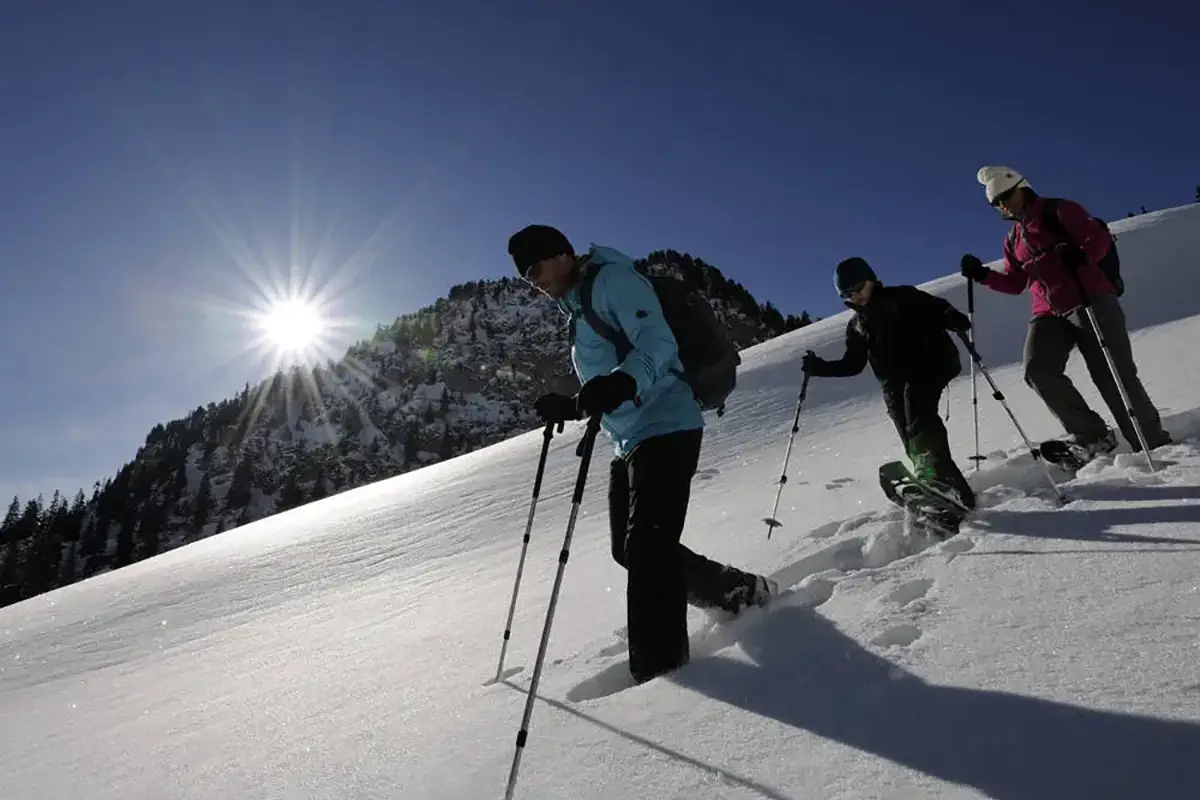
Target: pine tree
<point>127,521</point>
<point>9,540</point>
<point>9,526</point>
<point>150,529</point>
<point>14,575</point>
<point>76,517</point>
<point>43,556</point>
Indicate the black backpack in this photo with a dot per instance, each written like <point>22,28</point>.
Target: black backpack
<point>1110,263</point>
<point>709,358</point>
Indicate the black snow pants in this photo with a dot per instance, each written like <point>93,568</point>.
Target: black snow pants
<point>913,407</point>
<point>648,494</point>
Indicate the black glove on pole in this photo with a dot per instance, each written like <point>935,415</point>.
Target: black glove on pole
<point>556,408</point>
<point>605,393</point>
<point>971,268</point>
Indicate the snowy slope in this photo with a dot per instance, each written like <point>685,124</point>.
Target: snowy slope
<point>345,649</point>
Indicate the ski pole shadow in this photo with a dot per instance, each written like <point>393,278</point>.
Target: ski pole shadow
<point>1123,491</point>
<point>728,775</point>
<point>811,676</point>
<point>1092,524</point>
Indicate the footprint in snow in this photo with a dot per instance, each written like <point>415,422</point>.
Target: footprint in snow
<point>837,483</point>
<point>957,545</point>
<point>909,591</point>
<point>901,635</point>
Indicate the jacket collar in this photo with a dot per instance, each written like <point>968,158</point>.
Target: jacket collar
<point>569,303</point>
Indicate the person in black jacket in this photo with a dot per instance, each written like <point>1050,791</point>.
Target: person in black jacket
<point>901,331</point>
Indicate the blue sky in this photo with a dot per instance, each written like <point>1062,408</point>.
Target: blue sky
<point>163,159</point>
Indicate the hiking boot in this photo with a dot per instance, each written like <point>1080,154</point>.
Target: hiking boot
<point>1090,447</point>
<point>764,590</point>
<point>757,590</point>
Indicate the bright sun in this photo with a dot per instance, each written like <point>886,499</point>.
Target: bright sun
<point>293,326</point>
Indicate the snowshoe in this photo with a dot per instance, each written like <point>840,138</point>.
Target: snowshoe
<point>1074,456</point>
<point>932,506</point>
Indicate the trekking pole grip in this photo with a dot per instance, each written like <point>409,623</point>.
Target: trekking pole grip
<point>589,436</point>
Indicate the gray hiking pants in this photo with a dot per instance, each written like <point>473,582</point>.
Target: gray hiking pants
<point>1048,345</point>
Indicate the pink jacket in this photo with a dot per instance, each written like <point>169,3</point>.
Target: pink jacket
<point>1031,259</point>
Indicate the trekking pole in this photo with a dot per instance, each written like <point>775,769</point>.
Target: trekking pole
<point>585,452</point>
<point>974,389</point>
<point>1112,367</point>
<point>547,435</point>
<point>999,395</point>
<point>771,521</point>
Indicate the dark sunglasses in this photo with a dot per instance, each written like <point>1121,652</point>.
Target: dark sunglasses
<point>855,289</point>
<point>1004,197</point>
<point>532,272</point>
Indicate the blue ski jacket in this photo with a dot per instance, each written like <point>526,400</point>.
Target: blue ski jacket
<point>625,299</point>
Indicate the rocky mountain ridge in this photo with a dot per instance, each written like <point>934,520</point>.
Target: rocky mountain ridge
<point>442,381</point>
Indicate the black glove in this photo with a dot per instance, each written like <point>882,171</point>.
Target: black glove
<point>957,321</point>
<point>973,269</point>
<point>812,363</point>
<point>604,393</point>
<point>556,408</point>
<point>1070,254</point>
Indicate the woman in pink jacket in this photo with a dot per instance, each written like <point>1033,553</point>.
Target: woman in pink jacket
<point>1055,247</point>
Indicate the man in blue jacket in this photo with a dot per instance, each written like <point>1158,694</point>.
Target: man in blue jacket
<point>656,425</point>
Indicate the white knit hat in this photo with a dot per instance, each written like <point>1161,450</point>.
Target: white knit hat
<point>998,180</point>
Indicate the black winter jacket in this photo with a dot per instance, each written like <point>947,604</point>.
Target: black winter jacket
<point>902,334</point>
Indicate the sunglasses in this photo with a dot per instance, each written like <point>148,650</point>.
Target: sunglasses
<point>1004,197</point>
<point>532,272</point>
<point>853,290</point>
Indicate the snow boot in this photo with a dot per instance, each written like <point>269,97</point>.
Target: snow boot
<point>764,590</point>
<point>1092,448</point>
<point>753,590</point>
<point>1074,453</point>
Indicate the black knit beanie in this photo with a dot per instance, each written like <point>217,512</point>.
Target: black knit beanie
<point>535,243</point>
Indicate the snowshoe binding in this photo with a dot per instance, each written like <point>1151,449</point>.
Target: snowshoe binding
<point>928,504</point>
<point>1073,455</point>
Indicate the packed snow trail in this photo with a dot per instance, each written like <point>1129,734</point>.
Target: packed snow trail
<point>344,649</point>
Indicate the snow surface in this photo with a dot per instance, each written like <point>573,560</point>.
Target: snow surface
<point>346,649</point>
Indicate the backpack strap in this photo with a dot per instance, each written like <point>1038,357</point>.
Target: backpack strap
<point>1051,221</point>
<point>613,335</point>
